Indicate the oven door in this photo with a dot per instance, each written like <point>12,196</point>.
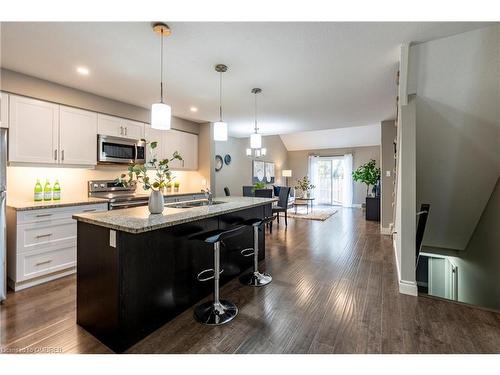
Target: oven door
<point>116,150</point>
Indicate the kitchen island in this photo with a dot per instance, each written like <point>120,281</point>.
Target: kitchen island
<point>137,271</point>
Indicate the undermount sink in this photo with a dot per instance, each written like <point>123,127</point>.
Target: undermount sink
<point>191,204</point>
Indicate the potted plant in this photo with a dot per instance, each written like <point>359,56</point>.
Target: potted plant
<point>304,185</point>
<point>168,187</point>
<point>163,176</point>
<point>176,186</point>
<point>367,173</point>
<point>259,185</point>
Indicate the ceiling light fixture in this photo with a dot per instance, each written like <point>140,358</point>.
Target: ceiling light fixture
<point>82,70</point>
<point>161,112</point>
<point>220,127</point>
<point>193,109</point>
<point>256,149</point>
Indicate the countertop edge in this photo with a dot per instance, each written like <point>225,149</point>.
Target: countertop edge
<point>53,204</point>
<point>169,224</point>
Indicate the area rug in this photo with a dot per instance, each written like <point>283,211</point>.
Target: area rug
<point>319,213</point>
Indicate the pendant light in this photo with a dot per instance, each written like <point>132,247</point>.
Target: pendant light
<point>256,139</point>
<point>220,127</point>
<point>161,112</point>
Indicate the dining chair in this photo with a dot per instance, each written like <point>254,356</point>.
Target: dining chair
<point>282,205</point>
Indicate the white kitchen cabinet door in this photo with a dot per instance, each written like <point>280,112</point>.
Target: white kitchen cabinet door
<point>154,135</point>
<point>4,110</point>
<point>134,129</point>
<point>189,151</point>
<point>77,136</point>
<point>186,144</point>
<point>33,133</point>
<point>111,125</point>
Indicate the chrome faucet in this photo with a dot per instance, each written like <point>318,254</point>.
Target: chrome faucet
<point>208,195</point>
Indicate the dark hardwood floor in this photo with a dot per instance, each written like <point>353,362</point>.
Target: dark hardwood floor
<point>334,290</point>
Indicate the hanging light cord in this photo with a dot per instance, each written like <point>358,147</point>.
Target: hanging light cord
<point>220,97</point>
<point>161,68</point>
<point>256,128</point>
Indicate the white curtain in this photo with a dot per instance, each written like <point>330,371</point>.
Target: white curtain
<point>348,184</point>
<point>313,172</point>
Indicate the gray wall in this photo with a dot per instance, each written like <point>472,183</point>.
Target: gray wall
<point>25,85</point>
<point>458,131</point>
<point>388,135</point>
<point>239,172</point>
<point>298,163</point>
<point>479,266</point>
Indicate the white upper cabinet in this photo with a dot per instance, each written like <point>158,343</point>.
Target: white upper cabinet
<point>77,136</point>
<point>4,110</point>
<point>186,144</point>
<point>155,135</point>
<point>33,134</point>
<point>134,129</point>
<point>119,127</point>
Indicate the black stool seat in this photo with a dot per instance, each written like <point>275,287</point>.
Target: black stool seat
<point>213,236</point>
<point>257,221</point>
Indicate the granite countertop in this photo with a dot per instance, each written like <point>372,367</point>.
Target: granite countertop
<point>32,205</point>
<point>138,219</point>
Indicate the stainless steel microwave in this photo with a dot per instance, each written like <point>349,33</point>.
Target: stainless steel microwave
<point>120,150</point>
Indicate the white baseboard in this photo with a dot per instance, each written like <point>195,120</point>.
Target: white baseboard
<point>408,287</point>
<point>405,287</point>
<point>385,230</point>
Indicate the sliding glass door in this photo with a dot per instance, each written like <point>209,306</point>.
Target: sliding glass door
<point>330,180</point>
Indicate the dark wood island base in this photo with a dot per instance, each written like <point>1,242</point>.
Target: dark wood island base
<point>126,291</point>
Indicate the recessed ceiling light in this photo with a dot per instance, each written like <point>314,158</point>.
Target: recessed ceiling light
<point>82,70</point>
<point>193,109</point>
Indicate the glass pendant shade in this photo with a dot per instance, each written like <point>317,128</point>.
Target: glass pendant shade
<point>257,153</point>
<point>220,131</point>
<point>255,141</point>
<point>249,152</point>
<point>160,116</point>
<point>263,151</point>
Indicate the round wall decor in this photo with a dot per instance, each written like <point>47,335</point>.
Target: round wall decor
<point>227,159</point>
<point>218,163</point>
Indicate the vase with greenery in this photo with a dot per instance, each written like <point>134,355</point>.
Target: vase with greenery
<point>368,174</point>
<point>304,185</point>
<point>258,186</point>
<point>137,173</point>
<point>176,186</point>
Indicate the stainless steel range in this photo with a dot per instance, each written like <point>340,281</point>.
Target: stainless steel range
<point>117,195</point>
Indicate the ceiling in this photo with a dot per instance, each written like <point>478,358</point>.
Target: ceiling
<point>354,136</point>
<point>313,75</point>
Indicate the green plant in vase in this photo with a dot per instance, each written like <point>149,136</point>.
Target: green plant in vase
<point>258,186</point>
<point>304,185</point>
<point>367,173</point>
<point>176,186</point>
<point>137,173</point>
<point>169,187</point>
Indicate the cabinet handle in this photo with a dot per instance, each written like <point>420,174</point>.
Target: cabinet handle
<point>55,154</point>
<point>121,130</point>
<point>126,129</point>
<point>43,215</point>
<point>62,155</point>
<point>44,235</point>
<point>89,210</point>
<point>42,263</point>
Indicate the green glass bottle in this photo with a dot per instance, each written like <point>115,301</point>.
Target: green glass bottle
<point>38,191</point>
<point>47,191</point>
<point>56,192</point>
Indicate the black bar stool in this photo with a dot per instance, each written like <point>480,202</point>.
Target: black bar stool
<point>218,311</point>
<point>255,278</point>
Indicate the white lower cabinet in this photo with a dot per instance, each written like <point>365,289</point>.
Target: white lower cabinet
<point>41,244</point>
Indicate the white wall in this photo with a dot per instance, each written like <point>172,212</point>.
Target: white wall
<point>458,131</point>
